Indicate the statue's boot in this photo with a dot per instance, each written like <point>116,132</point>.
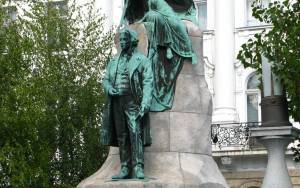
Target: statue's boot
<point>138,172</point>
<point>123,174</point>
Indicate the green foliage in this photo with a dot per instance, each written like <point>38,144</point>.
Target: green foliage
<point>51,61</point>
<point>280,44</point>
<point>296,150</point>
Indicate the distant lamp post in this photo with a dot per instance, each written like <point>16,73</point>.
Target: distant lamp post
<point>276,131</point>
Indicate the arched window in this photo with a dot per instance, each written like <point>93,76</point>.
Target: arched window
<point>253,98</point>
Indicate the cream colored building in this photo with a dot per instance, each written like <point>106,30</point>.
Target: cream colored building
<point>229,23</point>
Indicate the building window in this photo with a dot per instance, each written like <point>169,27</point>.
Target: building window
<point>251,21</point>
<point>59,7</point>
<point>201,7</point>
<point>253,99</point>
<point>58,26</point>
<point>9,13</point>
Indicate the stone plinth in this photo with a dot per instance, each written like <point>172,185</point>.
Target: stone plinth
<point>180,156</point>
<point>275,139</point>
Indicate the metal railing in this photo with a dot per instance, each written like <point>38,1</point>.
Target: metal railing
<point>230,136</point>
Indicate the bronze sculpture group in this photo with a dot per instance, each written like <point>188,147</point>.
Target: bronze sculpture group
<point>136,84</point>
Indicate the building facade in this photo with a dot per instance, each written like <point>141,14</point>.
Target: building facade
<point>228,25</point>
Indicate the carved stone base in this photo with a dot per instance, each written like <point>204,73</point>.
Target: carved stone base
<point>180,156</point>
<point>165,170</point>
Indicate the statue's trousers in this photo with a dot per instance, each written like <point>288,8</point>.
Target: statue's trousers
<point>125,110</point>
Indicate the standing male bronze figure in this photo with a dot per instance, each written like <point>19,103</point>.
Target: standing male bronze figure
<point>128,82</point>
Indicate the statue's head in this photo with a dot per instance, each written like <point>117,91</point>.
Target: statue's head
<point>128,39</point>
<point>152,4</point>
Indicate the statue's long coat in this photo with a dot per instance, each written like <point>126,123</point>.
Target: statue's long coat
<point>141,80</point>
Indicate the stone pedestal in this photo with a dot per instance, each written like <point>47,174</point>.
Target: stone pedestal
<point>180,156</point>
<point>275,139</point>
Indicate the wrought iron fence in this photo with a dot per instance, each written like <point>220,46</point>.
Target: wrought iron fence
<point>232,135</point>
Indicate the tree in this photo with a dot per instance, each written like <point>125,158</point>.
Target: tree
<point>281,45</point>
<point>52,58</point>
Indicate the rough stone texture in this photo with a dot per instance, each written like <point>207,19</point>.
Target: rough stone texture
<point>160,124</point>
<point>180,156</point>
<point>187,136</point>
<point>187,97</point>
<point>167,170</point>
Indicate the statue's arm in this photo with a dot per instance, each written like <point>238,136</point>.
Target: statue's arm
<point>147,86</point>
<point>107,86</point>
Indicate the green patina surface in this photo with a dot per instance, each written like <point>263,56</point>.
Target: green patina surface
<point>128,82</point>
<point>169,43</point>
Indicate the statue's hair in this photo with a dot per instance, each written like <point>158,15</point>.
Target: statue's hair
<point>132,35</point>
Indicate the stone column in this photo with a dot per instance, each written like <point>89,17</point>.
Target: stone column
<point>224,106</point>
<point>277,175</point>
<point>275,140</point>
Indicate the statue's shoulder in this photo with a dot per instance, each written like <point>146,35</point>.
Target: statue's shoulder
<point>113,60</point>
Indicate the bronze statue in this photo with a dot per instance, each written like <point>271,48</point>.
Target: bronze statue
<point>136,84</point>
<point>128,82</point>
<point>169,43</point>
